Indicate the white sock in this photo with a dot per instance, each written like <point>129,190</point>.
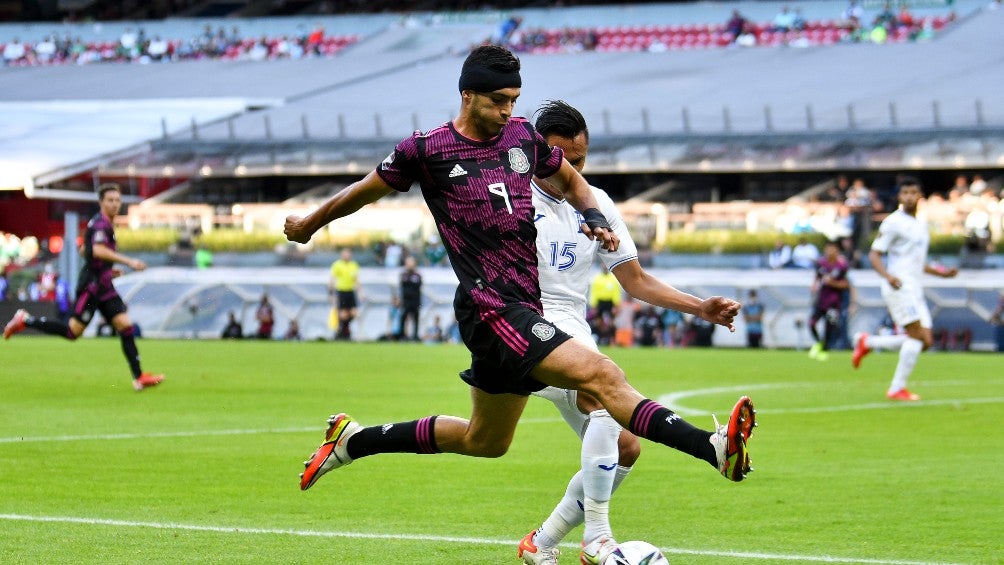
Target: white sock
<point>908,354</point>
<point>894,341</point>
<point>599,463</point>
<point>565,516</point>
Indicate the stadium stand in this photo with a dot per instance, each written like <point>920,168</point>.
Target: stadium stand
<point>691,131</point>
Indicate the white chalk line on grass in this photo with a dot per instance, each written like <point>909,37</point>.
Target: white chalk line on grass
<point>432,538</point>
<point>200,433</point>
<point>674,400</point>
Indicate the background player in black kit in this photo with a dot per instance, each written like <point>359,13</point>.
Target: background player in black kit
<point>95,290</point>
<point>475,174</point>
<point>411,300</point>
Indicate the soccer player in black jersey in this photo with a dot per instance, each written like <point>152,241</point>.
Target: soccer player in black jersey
<point>95,290</point>
<point>474,173</point>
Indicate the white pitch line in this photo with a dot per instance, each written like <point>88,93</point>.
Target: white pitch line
<point>432,538</point>
<point>673,400</point>
<point>199,433</point>
<point>26,439</point>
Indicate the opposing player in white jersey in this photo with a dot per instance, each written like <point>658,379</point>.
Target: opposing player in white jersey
<point>904,239</point>
<point>565,259</point>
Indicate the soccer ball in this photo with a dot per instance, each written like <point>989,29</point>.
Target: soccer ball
<point>636,553</point>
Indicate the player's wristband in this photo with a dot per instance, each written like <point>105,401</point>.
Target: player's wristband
<point>595,219</point>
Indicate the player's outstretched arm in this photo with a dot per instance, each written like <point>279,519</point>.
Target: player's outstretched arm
<point>105,253</point>
<point>358,194</point>
<point>643,286</point>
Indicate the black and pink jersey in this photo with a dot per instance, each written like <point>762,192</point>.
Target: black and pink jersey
<point>97,271</point>
<point>480,197</point>
<point>830,297</point>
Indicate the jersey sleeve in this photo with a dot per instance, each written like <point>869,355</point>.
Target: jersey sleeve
<point>627,250</point>
<point>549,159</point>
<point>886,235</point>
<point>101,235</point>
<point>400,168</point>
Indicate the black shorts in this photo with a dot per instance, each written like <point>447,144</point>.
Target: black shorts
<point>831,315</point>
<point>346,299</point>
<point>505,346</point>
<point>91,297</point>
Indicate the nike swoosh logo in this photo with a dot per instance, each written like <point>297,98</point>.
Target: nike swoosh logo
<point>539,216</point>
<point>607,467</point>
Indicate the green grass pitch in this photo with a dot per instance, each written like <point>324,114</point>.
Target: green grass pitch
<point>204,468</point>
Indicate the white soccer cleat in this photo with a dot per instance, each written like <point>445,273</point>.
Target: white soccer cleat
<point>597,551</point>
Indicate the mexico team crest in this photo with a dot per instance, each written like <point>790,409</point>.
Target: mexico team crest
<point>518,161</point>
<point>386,164</point>
<point>543,331</point>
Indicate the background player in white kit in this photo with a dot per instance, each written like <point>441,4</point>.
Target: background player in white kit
<point>565,258</point>
<point>904,239</point>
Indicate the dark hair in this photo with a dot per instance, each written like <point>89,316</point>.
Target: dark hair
<point>557,117</point>
<point>494,57</point>
<point>108,187</point>
<point>908,181</point>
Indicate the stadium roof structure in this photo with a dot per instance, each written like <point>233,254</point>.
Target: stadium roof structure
<point>935,104</point>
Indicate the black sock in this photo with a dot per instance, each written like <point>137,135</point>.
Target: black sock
<point>657,423</point>
<point>131,353</point>
<point>813,331</point>
<point>405,437</point>
<point>52,327</point>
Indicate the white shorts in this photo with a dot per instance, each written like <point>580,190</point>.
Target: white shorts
<point>906,305</point>
<point>565,400</point>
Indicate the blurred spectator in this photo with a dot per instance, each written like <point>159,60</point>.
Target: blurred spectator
<point>157,50</point>
<point>672,321</point>
<point>4,284</point>
<point>904,18</point>
<point>435,252</point>
<point>862,203</point>
<point>624,322</point>
<point>997,320</point>
<point>293,331</point>
<point>804,255</point>
<point>47,283</point>
<point>853,12</point>
<point>203,258</point>
<point>886,19</point>
<point>266,318</point>
<point>434,332</point>
<point>958,189</point>
<point>735,25</point>
<point>63,298</point>
<point>45,50</point>
<point>784,20</point>
<point>342,288</point>
<point>978,185</point>
<point>648,327</point>
<point>798,22</point>
<point>702,331</point>
<point>780,256</point>
<point>411,299</point>
<point>604,294</point>
<point>233,328</point>
<point>506,30</point>
<point>753,316</point>
<point>14,52</point>
<point>392,255</point>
